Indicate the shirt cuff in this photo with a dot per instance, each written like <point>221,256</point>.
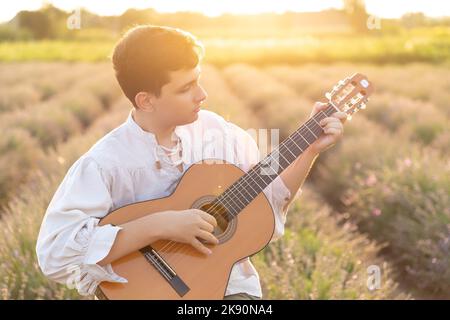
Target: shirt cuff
<point>100,241</point>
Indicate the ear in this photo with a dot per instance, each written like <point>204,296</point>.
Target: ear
<point>144,101</point>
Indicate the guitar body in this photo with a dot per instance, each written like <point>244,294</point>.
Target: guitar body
<point>203,277</point>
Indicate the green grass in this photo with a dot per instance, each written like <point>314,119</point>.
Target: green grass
<point>55,50</point>
<point>431,45</point>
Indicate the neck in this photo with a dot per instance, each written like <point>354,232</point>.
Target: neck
<point>236,197</point>
<point>163,133</point>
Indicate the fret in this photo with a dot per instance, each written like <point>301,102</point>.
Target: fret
<point>288,149</point>
<point>311,132</point>
<point>241,199</point>
<point>316,121</point>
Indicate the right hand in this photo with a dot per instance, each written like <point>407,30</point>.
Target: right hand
<point>190,226</point>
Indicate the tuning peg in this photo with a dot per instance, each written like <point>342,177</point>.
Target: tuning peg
<point>364,83</point>
<point>328,95</point>
<point>362,105</point>
<point>349,117</point>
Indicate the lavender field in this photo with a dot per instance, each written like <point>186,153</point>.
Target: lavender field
<point>378,198</point>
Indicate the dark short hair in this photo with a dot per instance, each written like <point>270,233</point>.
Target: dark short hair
<point>143,57</point>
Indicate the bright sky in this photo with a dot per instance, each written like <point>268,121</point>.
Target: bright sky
<point>381,8</point>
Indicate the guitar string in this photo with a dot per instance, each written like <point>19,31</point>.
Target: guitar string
<point>172,244</point>
<point>289,141</point>
<point>159,266</point>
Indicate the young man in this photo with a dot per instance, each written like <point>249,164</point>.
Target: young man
<point>158,69</point>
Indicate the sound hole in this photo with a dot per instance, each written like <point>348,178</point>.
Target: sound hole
<point>222,216</point>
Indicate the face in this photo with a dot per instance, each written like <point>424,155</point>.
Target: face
<point>180,99</point>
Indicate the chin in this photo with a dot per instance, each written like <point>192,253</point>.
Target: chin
<point>193,118</point>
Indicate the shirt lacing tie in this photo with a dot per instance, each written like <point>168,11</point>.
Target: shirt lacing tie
<point>171,156</point>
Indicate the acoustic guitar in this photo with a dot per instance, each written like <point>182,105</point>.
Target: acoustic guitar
<point>171,270</point>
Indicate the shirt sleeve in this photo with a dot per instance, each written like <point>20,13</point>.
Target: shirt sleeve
<point>247,155</point>
<point>70,241</point>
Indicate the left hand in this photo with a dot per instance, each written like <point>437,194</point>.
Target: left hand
<point>332,126</point>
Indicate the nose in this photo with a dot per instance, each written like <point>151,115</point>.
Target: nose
<point>202,95</point>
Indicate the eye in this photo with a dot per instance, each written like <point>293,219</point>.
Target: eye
<point>186,89</point>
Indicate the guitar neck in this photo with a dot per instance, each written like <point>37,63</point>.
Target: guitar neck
<point>236,197</point>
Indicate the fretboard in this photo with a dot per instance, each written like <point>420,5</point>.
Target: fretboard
<point>236,197</point>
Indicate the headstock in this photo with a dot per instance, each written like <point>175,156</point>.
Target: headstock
<point>351,94</point>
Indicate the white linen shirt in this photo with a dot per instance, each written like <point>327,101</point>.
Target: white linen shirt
<point>119,169</point>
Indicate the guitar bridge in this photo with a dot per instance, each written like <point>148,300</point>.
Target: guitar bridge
<point>165,270</point>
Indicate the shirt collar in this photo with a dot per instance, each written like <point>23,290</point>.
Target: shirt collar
<point>180,131</point>
<point>183,132</point>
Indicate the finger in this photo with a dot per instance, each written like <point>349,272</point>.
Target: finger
<point>207,236</point>
<point>208,218</point>
<point>320,105</point>
<point>333,131</point>
<point>327,120</point>
<point>200,247</point>
<point>342,116</point>
<point>334,124</point>
<point>206,226</point>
